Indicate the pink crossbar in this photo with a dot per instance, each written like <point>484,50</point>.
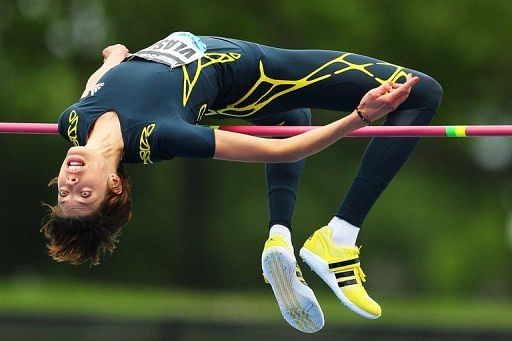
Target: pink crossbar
<point>282,131</point>
<point>389,131</point>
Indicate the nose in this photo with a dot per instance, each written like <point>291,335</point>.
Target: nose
<point>70,180</point>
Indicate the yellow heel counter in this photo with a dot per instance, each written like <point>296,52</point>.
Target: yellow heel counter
<point>275,241</point>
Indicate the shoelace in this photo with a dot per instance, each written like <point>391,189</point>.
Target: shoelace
<point>358,270</point>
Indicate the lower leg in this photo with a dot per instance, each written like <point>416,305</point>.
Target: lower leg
<point>297,302</point>
<point>382,160</point>
<point>283,178</point>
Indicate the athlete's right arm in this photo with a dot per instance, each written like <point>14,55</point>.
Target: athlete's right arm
<point>113,55</point>
<point>375,104</point>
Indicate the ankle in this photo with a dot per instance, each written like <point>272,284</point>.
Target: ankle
<point>282,231</point>
<point>343,233</point>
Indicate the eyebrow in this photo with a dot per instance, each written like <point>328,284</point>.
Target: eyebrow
<point>78,207</point>
<point>81,202</point>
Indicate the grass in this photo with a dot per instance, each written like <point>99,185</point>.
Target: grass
<point>153,303</point>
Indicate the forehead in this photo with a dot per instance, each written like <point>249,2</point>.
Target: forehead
<point>78,209</point>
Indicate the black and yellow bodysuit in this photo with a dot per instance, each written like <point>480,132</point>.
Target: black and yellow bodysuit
<point>159,108</point>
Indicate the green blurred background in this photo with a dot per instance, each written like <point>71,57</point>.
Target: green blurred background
<point>438,243</point>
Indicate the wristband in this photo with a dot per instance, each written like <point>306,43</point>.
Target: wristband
<point>363,117</point>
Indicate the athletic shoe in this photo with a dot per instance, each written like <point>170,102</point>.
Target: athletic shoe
<point>296,300</point>
<point>340,269</point>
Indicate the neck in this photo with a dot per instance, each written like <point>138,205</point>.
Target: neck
<point>106,138</point>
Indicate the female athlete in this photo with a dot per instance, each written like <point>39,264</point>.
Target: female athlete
<point>145,107</point>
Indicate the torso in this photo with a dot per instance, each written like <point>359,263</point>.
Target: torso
<point>158,106</point>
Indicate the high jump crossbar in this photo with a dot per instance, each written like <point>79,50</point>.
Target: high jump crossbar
<point>286,131</point>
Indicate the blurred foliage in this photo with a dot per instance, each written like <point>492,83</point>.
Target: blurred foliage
<point>35,297</point>
<point>442,227</point>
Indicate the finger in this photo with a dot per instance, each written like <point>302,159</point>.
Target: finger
<point>398,96</point>
<point>409,83</point>
<point>407,78</point>
<point>403,91</point>
<point>382,89</point>
<point>105,51</point>
<point>410,79</point>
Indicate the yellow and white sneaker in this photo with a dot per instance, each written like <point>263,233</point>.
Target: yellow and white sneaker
<point>340,269</point>
<point>296,300</point>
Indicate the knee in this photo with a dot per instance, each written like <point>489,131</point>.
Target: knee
<point>430,91</point>
<point>297,117</point>
<point>424,100</point>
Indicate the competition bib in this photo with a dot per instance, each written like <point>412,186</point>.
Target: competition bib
<point>179,48</point>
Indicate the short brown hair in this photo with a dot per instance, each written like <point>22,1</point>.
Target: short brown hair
<point>81,239</point>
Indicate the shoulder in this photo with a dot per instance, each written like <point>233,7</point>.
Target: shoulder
<point>68,124</point>
<point>74,122</point>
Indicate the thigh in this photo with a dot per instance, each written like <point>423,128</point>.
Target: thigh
<point>290,79</point>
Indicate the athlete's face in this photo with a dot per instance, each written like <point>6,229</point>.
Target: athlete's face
<point>83,182</point>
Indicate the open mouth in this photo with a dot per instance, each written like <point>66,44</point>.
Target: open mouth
<point>75,164</point>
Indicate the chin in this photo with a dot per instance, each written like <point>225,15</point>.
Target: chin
<point>77,149</point>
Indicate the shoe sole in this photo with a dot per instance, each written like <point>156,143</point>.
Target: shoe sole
<point>321,268</point>
<point>297,301</point>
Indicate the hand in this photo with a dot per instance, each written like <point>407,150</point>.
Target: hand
<point>117,49</point>
<point>386,98</point>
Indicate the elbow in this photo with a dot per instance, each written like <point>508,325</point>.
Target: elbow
<point>282,154</point>
<point>288,158</point>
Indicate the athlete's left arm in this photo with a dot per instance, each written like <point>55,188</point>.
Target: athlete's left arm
<point>113,55</point>
<point>374,104</point>
<point>238,147</point>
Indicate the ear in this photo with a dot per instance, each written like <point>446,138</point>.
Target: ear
<point>115,183</point>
